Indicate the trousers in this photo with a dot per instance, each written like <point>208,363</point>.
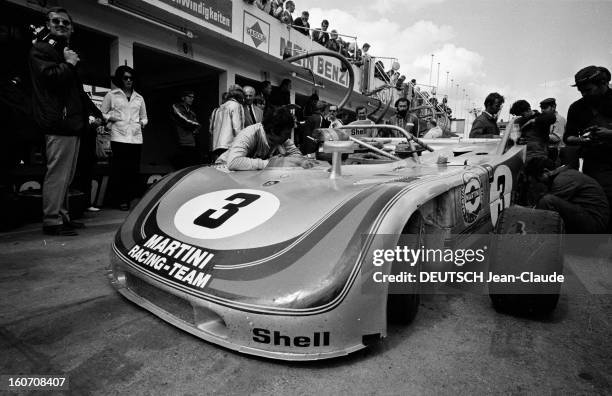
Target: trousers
<point>125,171</point>
<point>62,154</point>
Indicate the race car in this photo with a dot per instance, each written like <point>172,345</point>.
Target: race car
<point>291,263</point>
<point>280,262</point>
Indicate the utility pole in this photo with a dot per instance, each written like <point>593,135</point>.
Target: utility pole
<point>431,69</point>
<point>438,79</point>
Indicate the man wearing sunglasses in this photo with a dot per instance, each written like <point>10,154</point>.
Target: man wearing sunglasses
<point>60,108</point>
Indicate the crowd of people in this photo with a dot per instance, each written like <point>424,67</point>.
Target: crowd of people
<point>554,147</point>
<point>332,40</point>
<point>257,127</point>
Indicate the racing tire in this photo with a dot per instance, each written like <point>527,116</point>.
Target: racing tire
<point>403,301</point>
<point>526,240</point>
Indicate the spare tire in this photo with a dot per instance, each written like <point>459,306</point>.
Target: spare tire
<point>526,241</point>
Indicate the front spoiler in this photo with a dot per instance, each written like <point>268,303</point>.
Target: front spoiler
<point>242,331</point>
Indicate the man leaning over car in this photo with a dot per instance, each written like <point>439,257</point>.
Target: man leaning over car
<point>266,144</point>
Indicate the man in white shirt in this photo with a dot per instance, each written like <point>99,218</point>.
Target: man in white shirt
<point>434,131</point>
<point>362,120</point>
<point>557,130</point>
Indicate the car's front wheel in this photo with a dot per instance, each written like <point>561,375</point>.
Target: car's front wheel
<point>526,256</point>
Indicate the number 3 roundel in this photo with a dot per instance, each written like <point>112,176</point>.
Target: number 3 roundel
<point>225,213</point>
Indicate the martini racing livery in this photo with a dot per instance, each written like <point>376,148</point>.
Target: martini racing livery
<point>278,262</point>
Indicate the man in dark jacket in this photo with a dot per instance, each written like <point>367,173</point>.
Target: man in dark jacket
<point>589,125</point>
<point>485,125</point>
<point>59,108</point>
<point>579,200</point>
<point>534,126</point>
<point>187,128</point>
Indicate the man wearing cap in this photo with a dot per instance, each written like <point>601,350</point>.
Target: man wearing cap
<point>186,126</point>
<point>589,125</point>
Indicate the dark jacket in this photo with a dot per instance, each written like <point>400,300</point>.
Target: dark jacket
<point>484,126</point>
<point>58,100</point>
<point>583,114</point>
<point>186,123</point>
<point>535,130</point>
<point>301,26</point>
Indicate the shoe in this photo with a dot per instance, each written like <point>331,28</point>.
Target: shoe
<point>92,209</point>
<point>73,224</point>
<point>124,207</point>
<point>60,230</point>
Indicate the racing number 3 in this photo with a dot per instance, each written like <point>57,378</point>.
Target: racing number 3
<point>205,219</point>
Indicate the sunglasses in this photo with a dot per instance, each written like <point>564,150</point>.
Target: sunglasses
<point>128,78</point>
<point>59,21</point>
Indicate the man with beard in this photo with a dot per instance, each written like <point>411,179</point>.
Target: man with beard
<point>589,125</point>
<point>403,119</point>
<point>485,125</point>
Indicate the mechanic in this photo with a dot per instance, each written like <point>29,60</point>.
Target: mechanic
<point>402,118</point>
<point>578,198</point>
<point>485,125</point>
<point>266,144</point>
<point>535,128</point>
<point>589,125</point>
<point>362,119</point>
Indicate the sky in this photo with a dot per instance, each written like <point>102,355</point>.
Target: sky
<point>523,49</point>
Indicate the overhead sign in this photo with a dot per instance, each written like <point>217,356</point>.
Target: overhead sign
<point>323,66</point>
<point>215,12</point>
<point>256,33</point>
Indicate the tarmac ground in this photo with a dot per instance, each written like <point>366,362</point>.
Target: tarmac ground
<point>60,315</point>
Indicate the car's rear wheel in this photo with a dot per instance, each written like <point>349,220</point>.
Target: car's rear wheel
<point>526,241</point>
<point>404,299</point>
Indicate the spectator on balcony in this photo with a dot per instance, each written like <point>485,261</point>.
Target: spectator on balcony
<point>364,50</point>
<point>264,5</point>
<point>355,52</point>
<point>301,24</point>
<point>333,44</point>
<point>276,8</point>
<point>320,35</point>
<point>379,71</point>
<point>344,48</point>
<point>287,15</point>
